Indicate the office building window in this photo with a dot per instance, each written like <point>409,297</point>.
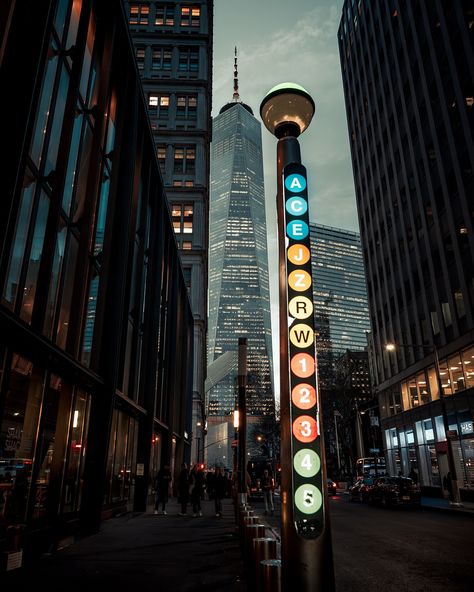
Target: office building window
<point>190,16</point>
<point>187,245</point>
<point>140,55</point>
<point>161,155</point>
<point>164,16</point>
<point>186,107</point>
<point>185,159</point>
<point>161,58</point>
<point>139,14</point>
<point>189,60</point>
<point>158,105</point>
<point>182,216</point>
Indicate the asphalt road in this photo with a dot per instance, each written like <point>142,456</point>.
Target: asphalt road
<point>398,550</point>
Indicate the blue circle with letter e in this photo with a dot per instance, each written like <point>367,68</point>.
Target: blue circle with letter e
<point>295,183</point>
<point>296,206</point>
<point>297,229</point>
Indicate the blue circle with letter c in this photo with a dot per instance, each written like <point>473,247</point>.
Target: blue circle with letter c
<point>297,229</point>
<point>295,183</point>
<point>297,206</point>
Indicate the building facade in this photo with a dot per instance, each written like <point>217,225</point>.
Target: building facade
<point>239,298</point>
<point>407,72</point>
<point>342,322</point>
<point>96,328</point>
<point>173,49</point>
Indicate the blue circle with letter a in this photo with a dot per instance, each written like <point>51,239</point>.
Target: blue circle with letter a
<point>295,183</point>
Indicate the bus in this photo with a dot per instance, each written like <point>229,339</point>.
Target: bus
<point>373,466</point>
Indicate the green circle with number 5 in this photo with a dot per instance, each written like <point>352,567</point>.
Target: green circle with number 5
<point>308,499</point>
<point>306,462</point>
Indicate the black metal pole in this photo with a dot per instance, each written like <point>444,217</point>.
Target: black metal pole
<point>242,406</point>
<point>307,564</point>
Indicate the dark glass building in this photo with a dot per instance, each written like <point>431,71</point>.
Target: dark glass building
<point>342,323</point>
<point>96,328</point>
<point>173,48</point>
<point>408,71</point>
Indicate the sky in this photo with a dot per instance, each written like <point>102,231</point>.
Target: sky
<point>280,41</point>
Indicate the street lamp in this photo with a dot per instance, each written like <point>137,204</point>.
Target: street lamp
<point>391,347</point>
<point>306,550</point>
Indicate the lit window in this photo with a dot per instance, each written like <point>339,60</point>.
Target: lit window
<point>139,14</point>
<point>190,16</point>
<point>187,245</point>
<point>140,54</point>
<point>164,16</point>
<point>161,58</point>
<point>185,159</point>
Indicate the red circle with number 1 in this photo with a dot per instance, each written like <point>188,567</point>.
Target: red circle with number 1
<point>305,428</point>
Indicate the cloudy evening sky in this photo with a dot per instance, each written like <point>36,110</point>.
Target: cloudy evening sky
<point>281,41</point>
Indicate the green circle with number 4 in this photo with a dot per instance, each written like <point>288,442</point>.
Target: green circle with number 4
<point>308,499</point>
<point>306,462</point>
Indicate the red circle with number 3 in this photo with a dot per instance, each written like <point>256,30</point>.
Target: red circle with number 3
<point>304,396</point>
<point>305,428</point>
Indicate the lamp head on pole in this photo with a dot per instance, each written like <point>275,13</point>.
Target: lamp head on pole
<point>390,347</point>
<point>287,110</point>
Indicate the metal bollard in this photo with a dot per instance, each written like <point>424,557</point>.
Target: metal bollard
<point>263,548</point>
<point>252,531</point>
<point>271,575</point>
<point>247,520</point>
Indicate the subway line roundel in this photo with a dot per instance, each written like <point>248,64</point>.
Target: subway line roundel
<point>307,456</point>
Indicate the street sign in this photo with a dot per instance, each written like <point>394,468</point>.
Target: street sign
<point>307,485</point>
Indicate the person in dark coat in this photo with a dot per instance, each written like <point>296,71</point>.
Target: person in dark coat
<point>196,489</point>
<point>183,489</point>
<point>220,486</point>
<point>448,485</point>
<point>162,486</point>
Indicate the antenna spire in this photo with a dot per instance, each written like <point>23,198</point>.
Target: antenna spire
<point>236,96</point>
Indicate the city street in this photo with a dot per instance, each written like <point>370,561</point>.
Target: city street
<point>397,549</point>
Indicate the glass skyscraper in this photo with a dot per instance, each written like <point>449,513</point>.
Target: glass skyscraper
<point>239,298</point>
<point>339,291</point>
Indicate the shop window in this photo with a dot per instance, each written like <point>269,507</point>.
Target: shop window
<point>468,363</point>
<point>433,382</point>
<point>440,431</point>
<point>423,391</point>
<point>428,430</point>
<point>19,424</point>
<point>467,446</point>
<point>121,458</point>
<point>76,451</point>
<point>456,373</point>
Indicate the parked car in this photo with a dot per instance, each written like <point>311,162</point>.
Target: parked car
<point>394,491</point>
<point>332,487</point>
<point>361,489</point>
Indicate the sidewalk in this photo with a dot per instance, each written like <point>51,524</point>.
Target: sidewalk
<point>436,503</point>
<point>155,553</point>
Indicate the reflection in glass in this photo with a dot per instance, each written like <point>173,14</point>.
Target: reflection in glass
<point>67,292</point>
<point>35,258</point>
<point>90,318</point>
<point>19,243</point>
<point>55,135</point>
<point>72,162</point>
<point>54,281</point>
<point>82,174</point>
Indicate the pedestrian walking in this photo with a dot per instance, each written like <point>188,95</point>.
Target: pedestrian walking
<point>413,475</point>
<point>219,486</point>
<point>196,489</point>
<point>183,489</point>
<point>162,487</point>
<point>268,485</point>
<point>448,485</point>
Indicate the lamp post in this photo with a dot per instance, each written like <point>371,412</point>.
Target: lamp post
<point>242,418</point>
<point>390,347</point>
<point>306,551</point>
